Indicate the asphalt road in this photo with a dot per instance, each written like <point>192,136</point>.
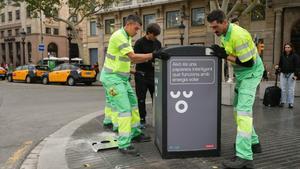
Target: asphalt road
<point>31,112</point>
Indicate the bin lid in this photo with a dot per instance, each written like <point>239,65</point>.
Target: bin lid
<point>189,50</point>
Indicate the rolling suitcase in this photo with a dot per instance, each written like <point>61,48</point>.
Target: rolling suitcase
<point>272,95</point>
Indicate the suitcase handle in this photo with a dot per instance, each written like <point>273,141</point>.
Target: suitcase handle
<point>276,76</point>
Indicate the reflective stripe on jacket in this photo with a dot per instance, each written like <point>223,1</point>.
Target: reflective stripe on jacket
<point>238,42</point>
<point>116,59</point>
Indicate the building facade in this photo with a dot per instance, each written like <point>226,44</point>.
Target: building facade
<point>274,22</point>
<point>14,21</point>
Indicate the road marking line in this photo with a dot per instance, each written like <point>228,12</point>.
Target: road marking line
<point>18,154</point>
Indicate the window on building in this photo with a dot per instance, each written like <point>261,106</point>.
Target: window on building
<point>3,17</point>
<point>17,32</point>
<point>28,30</point>
<point>9,32</point>
<point>124,21</point>
<point>230,6</point>
<point>55,31</point>
<point>147,19</point>
<point>28,13</point>
<point>126,2</point>
<point>3,52</point>
<point>173,19</point>
<point>18,52</point>
<point>109,26</point>
<point>259,12</point>
<point>48,31</point>
<point>2,34</point>
<point>74,19</point>
<point>93,55</point>
<point>93,28</point>
<point>10,51</point>
<point>198,16</point>
<point>17,14</point>
<point>29,51</point>
<point>9,16</point>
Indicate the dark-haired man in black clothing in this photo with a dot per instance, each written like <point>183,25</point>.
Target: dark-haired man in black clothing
<point>144,75</point>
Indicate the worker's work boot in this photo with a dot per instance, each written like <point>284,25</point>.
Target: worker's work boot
<point>141,138</point>
<point>256,148</point>
<point>108,126</point>
<point>129,150</point>
<point>238,163</point>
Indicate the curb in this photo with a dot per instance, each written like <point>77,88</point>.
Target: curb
<point>52,149</point>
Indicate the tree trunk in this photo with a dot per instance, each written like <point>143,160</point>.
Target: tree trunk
<point>78,41</point>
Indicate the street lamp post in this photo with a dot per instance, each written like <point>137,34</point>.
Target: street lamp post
<point>23,36</point>
<point>181,30</point>
<point>69,31</point>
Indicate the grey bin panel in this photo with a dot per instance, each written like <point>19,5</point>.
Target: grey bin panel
<point>187,103</point>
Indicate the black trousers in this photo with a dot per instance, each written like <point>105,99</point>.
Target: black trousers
<point>143,82</point>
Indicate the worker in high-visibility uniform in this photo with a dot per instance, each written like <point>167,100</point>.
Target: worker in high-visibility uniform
<point>239,48</point>
<point>115,79</point>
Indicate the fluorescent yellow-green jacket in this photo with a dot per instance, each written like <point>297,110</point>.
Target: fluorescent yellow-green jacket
<point>116,59</point>
<point>238,42</point>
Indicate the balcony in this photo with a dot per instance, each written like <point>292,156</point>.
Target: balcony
<point>126,3</point>
<point>144,1</point>
<point>130,4</point>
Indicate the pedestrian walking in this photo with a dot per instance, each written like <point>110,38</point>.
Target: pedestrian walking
<point>288,68</point>
<point>238,47</point>
<point>144,74</point>
<point>115,79</point>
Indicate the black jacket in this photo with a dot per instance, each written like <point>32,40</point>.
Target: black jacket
<point>289,64</point>
<point>143,45</point>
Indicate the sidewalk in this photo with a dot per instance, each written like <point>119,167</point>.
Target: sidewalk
<point>278,128</point>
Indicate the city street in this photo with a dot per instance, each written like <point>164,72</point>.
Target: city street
<point>31,112</point>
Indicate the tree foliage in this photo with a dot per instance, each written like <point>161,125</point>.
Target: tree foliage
<point>80,9</point>
<point>77,8</point>
<point>238,7</point>
<point>2,4</point>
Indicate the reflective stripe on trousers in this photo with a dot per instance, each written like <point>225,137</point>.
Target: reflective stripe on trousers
<point>123,100</point>
<point>243,103</point>
<point>107,115</point>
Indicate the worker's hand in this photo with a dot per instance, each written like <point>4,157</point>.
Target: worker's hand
<point>219,51</point>
<point>160,54</point>
<point>294,77</point>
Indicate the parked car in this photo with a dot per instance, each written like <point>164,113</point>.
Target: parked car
<point>70,74</point>
<point>2,73</point>
<point>28,73</point>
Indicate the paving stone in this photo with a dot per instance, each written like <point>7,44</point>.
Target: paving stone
<point>278,129</point>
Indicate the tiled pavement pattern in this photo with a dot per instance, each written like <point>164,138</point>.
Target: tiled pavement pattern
<point>278,128</point>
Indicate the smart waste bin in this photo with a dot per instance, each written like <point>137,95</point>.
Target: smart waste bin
<point>188,103</point>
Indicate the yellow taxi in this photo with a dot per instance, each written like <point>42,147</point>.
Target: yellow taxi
<point>27,73</point>
<point>2,73</point>
<point>70,74</point>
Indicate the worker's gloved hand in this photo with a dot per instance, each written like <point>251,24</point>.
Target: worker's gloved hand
<point>219,51</point>
<point>160,54</point>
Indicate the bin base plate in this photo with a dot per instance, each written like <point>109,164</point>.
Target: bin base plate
<point>105,143</point>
